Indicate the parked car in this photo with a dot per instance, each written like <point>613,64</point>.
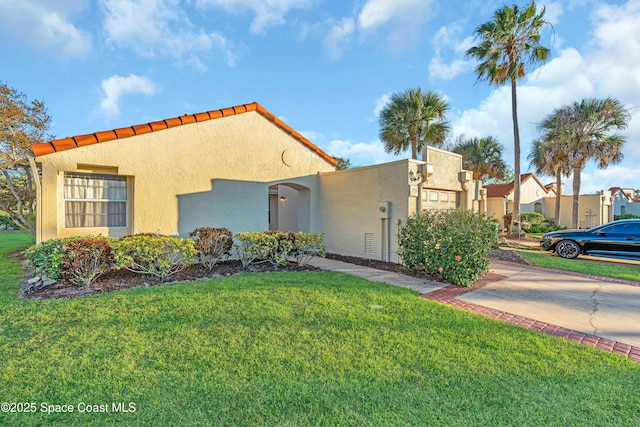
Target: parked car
<point>617,239</point>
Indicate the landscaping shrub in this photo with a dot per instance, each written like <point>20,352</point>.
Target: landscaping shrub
<point>307,246</point>
<point>155,255</point>
<point>626,216</point>
<point>277,246</point>
<point>254,247</point>
<point>453,244</point>
<point>212,244</point>
<point>45,257</point>
<point>84,260</point>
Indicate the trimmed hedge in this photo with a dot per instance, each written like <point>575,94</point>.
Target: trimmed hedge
<point>85,260</point>
<point>79,261</point>
<point>453,245</point>
<point>277,247</point>
<point>212,244</point>
<point>155,255</point>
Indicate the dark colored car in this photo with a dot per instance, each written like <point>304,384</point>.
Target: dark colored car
<point>617,239</point>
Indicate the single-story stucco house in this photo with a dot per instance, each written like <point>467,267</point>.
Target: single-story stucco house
<point>241,168</point>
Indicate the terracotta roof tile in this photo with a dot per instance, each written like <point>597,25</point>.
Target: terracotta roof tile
<point>125,132</point>
<point>45,148</point>
<point>106,136</point>
<point>42,149</point>
<point>187,120</point>
<point>63,144</point>
<point>173,122</point>
<point>503,190</point>
<point>159,125</point>
<point>142,129</point>
<point>201,117</point>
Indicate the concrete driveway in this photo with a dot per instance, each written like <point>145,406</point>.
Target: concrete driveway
<point>601,308</point>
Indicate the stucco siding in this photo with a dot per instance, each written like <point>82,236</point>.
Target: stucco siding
<point>177,162</point>
<point>351,219</point>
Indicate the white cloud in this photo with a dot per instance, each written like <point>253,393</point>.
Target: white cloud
<point>160,28</point>
<point>405,18</point>
<point>593,180</point>
<point>361,153</point>
<point>338,38</point>
<point>448,39</point>
<point>380,103</point>
<point>268,13</point>
<point>379,12</point>
<point>46,25</point>
<point>115,87</point>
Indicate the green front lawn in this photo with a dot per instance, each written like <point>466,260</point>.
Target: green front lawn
<point>617,271</point>
<point>294,349</point>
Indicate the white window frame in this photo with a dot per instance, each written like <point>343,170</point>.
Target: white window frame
<point>97,177</point>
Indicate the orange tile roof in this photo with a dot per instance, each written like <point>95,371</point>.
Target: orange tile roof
<point>69,143</point>
<point>503,190</point>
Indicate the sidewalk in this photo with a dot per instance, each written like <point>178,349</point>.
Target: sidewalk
<point>598,313</point>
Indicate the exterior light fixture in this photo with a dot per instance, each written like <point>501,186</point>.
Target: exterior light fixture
<point>283,200</point>
<point>415,177</point>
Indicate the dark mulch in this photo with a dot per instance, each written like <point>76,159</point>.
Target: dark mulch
<point>124,279</point>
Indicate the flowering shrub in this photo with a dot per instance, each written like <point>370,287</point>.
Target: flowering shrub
<point>84,260</point>
<point>212,244</point>
<point>453,244</point>
<point>155,255</point>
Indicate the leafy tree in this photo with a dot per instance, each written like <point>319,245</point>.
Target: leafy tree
<point>550,157</point>
<point>507,46</point>
<point>506,179</point>
<point>22,123</point>
<point>413,119</point>
<point>483,156</point>
<point>343,163</point>
<point>586,128</point>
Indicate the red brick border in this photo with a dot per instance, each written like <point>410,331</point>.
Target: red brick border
<point>447,295</point>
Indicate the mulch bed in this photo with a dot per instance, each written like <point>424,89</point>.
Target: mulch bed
<point>124,279</point>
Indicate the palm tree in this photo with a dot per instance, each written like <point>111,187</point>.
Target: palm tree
<point>585,127</point>
<point>415,119</point>
<point>483,156</point>
<point>550,157</point>
<point>508,45</point>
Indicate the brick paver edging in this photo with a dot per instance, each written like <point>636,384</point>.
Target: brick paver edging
<point>447,295</point>
<point>571,273</point>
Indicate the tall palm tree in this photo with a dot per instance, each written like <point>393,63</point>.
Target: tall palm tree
<point>483,156</point>
<point>508,45</point>
<point>414,119</point>
<point>586,127</point>
<point>550,157</point>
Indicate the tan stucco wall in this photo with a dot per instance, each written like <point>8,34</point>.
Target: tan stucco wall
<point>593,210</point>
<point>175,162</point>
<point>350,201</point>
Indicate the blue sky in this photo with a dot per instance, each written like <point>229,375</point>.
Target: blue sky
<point>324,67</point>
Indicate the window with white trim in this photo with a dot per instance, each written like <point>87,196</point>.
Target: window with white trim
<point>95,200</point>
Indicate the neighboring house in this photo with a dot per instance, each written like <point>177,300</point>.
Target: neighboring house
<point>532,197</point>
<point>240,168</point>
<point>624,202</point>
<point>595,209</point>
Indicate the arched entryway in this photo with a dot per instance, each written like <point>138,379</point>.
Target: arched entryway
<point>289,207</point>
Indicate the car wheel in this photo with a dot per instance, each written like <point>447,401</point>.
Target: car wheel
<point>568,249</point>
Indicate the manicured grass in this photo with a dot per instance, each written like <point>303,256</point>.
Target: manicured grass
<point>297,349</point>
<point>616,271</point>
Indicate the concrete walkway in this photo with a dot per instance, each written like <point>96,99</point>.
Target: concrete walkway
<point>600,312</point>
